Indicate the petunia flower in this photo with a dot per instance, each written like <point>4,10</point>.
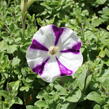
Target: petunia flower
<point>54,52</point>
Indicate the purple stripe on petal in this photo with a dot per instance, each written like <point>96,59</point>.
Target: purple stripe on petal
<point>75,49</point>
<point>39,68</point>
<point>36,45</point>
<point>70,50</point>
<point>57,31</point>
<point>64,70</point>
<point>77,46</point>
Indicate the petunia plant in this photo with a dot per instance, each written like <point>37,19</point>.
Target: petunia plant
<point>54,52</point>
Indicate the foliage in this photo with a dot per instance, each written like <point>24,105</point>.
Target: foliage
<point>20,88</point>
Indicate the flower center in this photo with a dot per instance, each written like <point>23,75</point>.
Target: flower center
<point>53,50</point>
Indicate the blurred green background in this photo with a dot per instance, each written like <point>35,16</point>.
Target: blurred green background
<point>20,88</point>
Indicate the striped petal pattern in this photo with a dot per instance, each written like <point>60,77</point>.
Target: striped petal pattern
<point>54,52</point>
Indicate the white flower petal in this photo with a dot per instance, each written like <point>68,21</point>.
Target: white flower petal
<point>35,57</point>
<point>51,70</point>
<point>68,39</point>
<point>45,36</point>
<point>71,61</point>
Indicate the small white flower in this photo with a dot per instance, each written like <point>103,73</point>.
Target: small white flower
<point>54,52</point>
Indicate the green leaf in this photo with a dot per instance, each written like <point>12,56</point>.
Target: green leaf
<point>24,88</point>
<point>94,96</point>
<point>97,107</point>
<point>88,80</point>
<point>74,97</point>
<point>3,93</point>
<point>18,100</point>
<point>107,52</point>
<point>29,107</point>
<point>60,89</point>
<point>3,46</point>
<point>15,61</point>
<point>106,106</point>
<point>105,84</point>
<point>81,79</point>
<point>102,53</point>
<point>65,106</point>
<point>100,2</point>
<point>14,85</point>
<point>41,103</point>
<point>11,49</point>
<point>96,21</point>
